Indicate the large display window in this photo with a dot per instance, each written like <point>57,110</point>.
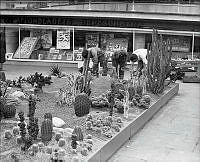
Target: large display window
<point>58,43</point>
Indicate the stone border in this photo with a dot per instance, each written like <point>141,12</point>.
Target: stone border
<point>110,147</point>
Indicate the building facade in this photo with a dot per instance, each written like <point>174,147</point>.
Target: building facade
<point>58,31</point>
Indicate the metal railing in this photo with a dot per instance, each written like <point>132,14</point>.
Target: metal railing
<point>182,8</point>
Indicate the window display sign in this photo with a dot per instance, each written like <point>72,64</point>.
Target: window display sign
<point>92,40</point>
<point>45,37</point>
<point>115,45</point>
<point>180,44</point>
<point>63,39</point>
<point>78,54</point>
<point>26,47</point>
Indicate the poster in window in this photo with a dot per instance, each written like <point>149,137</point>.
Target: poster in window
<point>69,57</point>
<point>92,40</point>
<point>45,37</point>
<point>26,47</point>
<point>79,57</point>
<point>179,43</point>
<point>63,39</point>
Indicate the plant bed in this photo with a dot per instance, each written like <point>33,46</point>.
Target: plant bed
<point>191,79</point>
<point>132,126</point>
<point>101,143</point>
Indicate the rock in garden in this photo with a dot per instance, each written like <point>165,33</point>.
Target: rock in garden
<point>57,122</point>
<point>17,94</point>
<point>8,134</point>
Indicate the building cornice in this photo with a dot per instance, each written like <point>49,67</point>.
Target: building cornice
<point>107,14</point>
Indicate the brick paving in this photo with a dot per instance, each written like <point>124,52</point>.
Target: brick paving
<point>173,135</point>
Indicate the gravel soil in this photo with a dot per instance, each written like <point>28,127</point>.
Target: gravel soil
<point>48,104</point>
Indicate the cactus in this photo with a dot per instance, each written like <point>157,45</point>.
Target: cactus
<point>31,105</point>
<point>131,91</point>
<point>58,136</point>
<point>48,116</point>
<point>78,132</point>
<point>35,148</point>
<point>22,125</point>
<point>158,63</point>
<point>82,105</point>
<point>8,134</point>
<point>49,150</point>
<point>74,141</point>
<point>139,90</point>
<point>46,130</point>
<point>61,142</point>
<point>1,109</point>
<point>147,99</point>
<point>33,128</point>
<point>9,111</point>
<point>15,131</point>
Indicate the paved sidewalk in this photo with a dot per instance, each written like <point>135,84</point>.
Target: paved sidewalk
<point>173,135</point>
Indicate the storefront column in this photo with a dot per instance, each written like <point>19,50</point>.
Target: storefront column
<point>133,5</point>
<point>19,42</point>
<point>192,45</point>
<point>73,43</point>
<point>11,36</point>
<point>133,40</point>
<point>139,42</point>
<point>89,5</point>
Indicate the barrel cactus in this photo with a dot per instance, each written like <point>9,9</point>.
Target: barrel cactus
<point>147,99</point>
<point>78,132</point>
<point>9,111</point>
<point>82,105</point>
<point>46,130</point>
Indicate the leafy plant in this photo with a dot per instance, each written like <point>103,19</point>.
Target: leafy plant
<point>38,80</point>
<point>56,70</point>
<point>18,82</point>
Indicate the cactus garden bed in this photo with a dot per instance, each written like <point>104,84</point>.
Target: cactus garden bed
<point>102,144</point>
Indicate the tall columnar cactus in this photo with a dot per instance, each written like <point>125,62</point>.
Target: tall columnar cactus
<point>22,125</point>
<point>33,128</point>
<point>159,59</point>
<point>32,106</point>
<point>46,130</point>
<point>82,104</point>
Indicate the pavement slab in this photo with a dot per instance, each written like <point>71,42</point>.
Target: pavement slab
<point>173,134</point>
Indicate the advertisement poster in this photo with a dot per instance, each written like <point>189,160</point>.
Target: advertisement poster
<point>92,40</point>
<point>63,39</point>
<point>115,45</point>
<point>78,54</point>
<point>26,47</point>
<point>180,44</point>
<point>44,36</point>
